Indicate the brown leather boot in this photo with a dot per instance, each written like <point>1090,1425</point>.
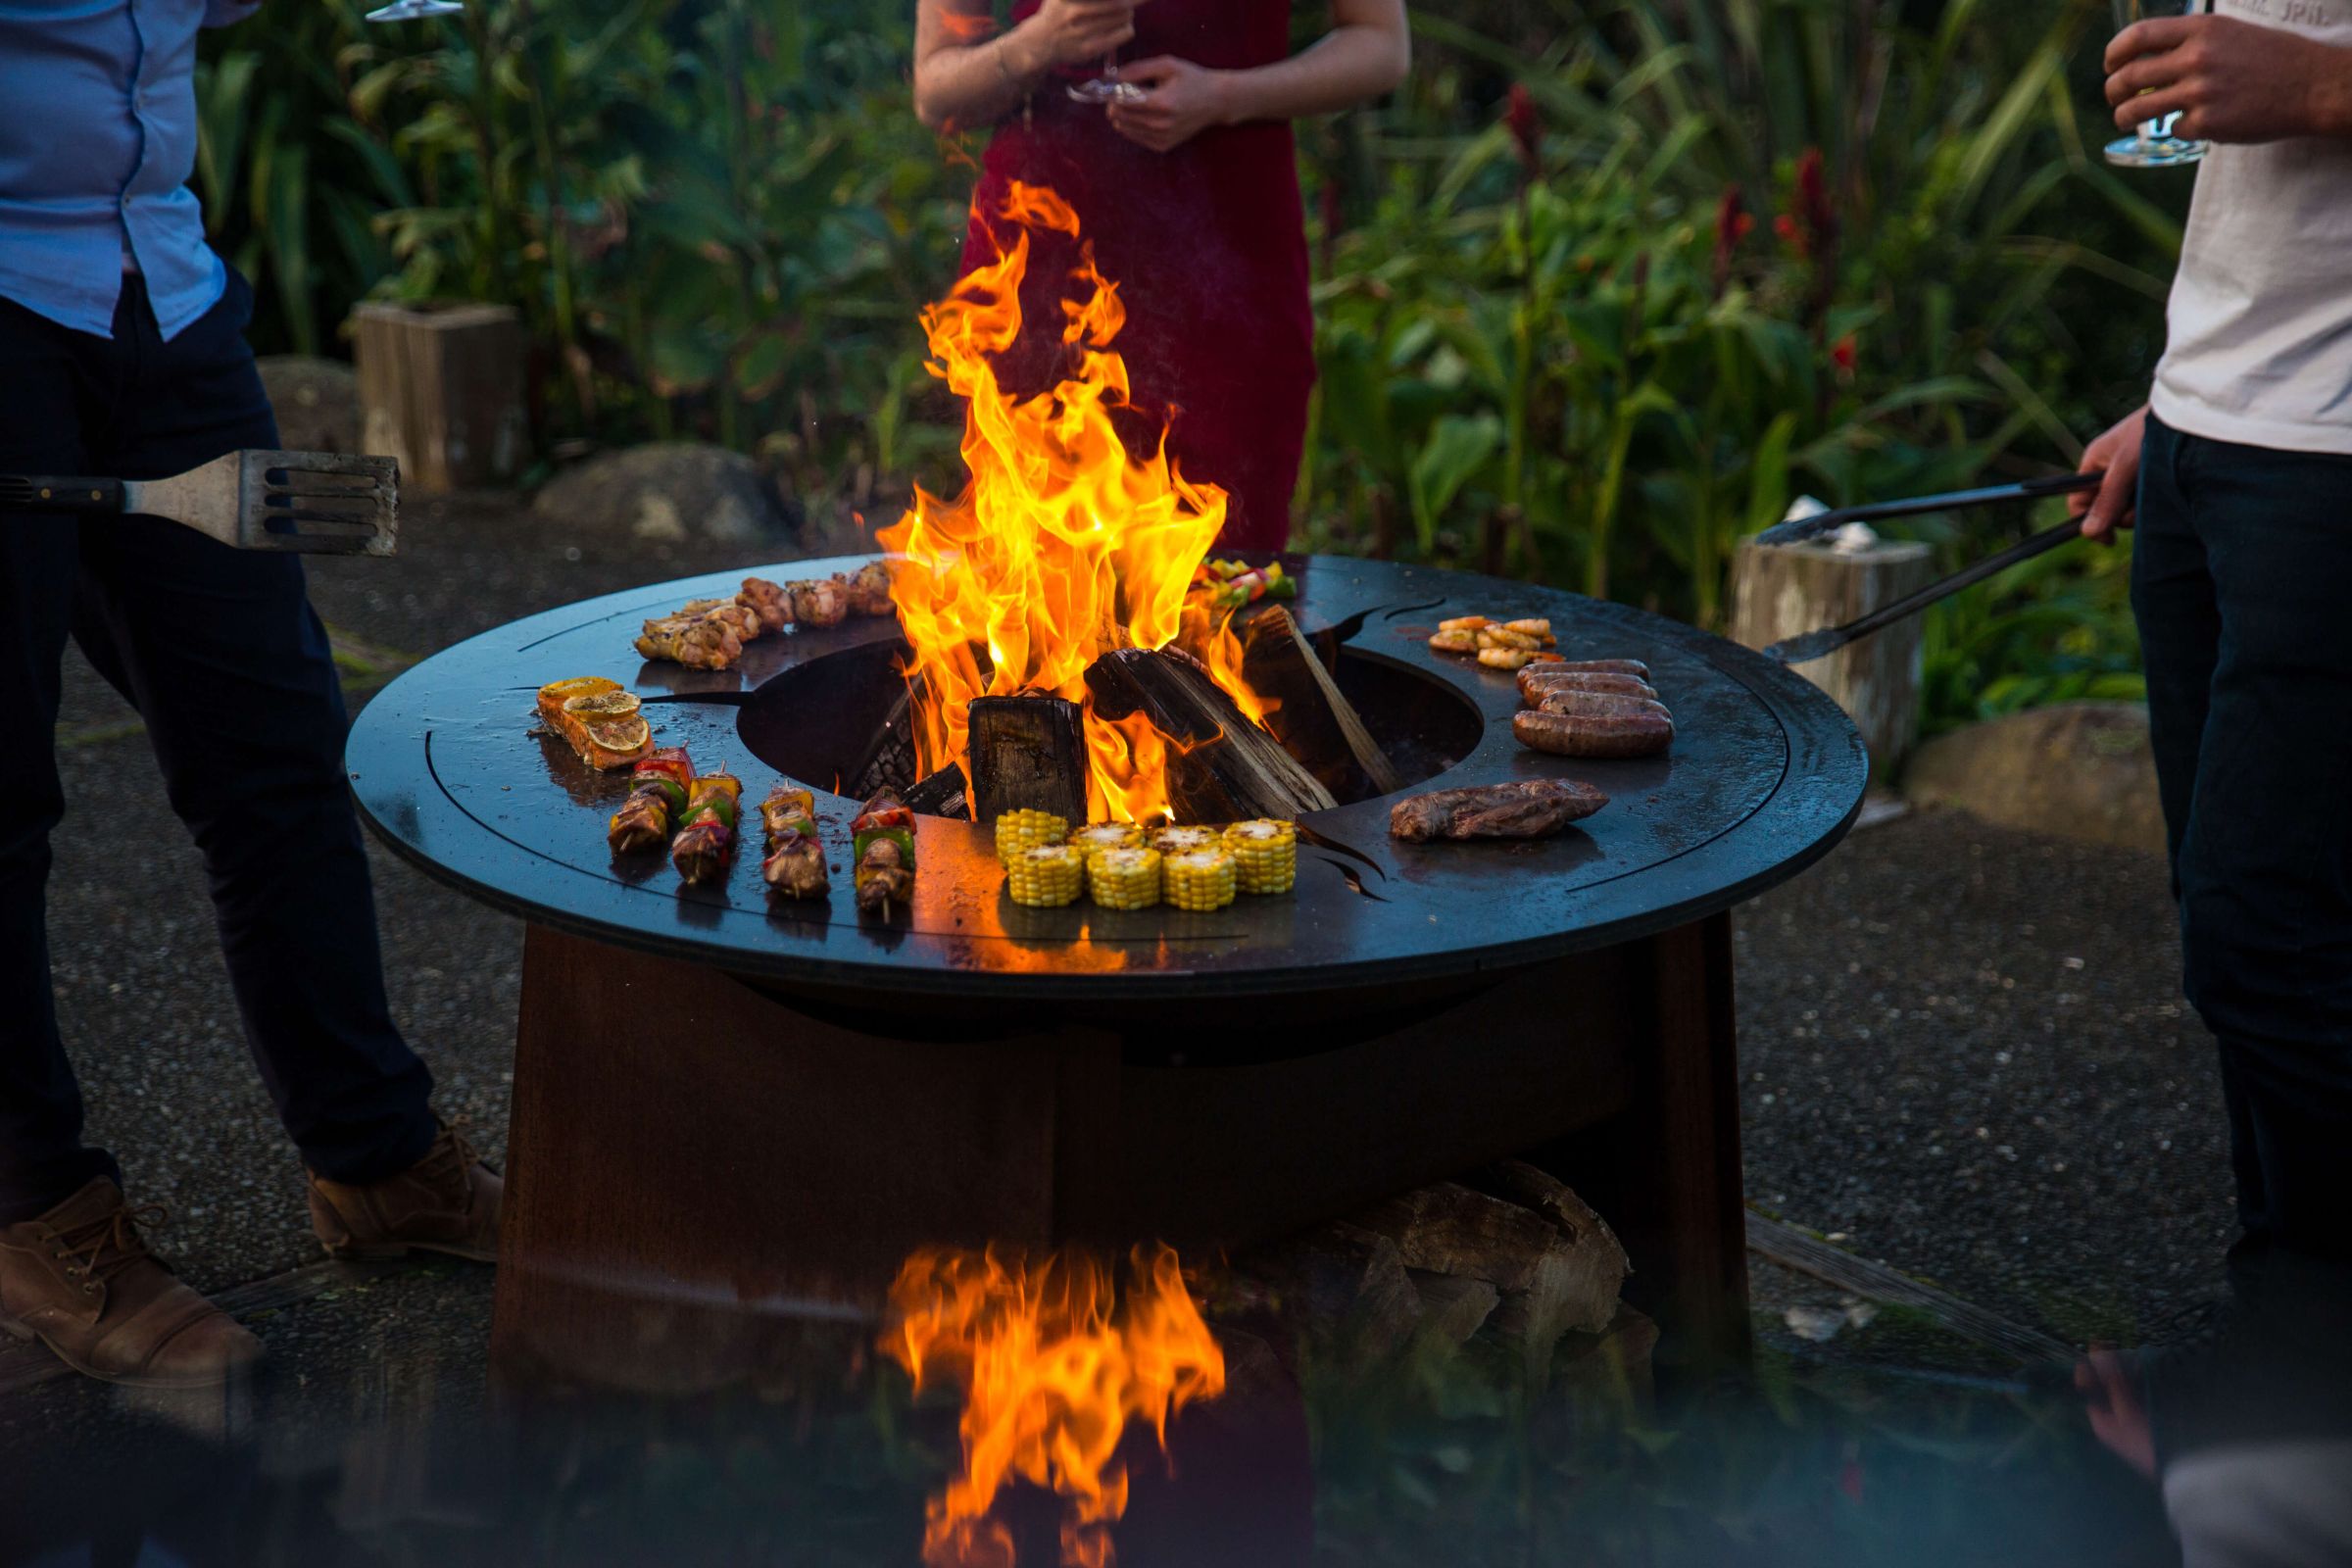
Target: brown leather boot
<point>448,1201</point>
<point>81,1278</point>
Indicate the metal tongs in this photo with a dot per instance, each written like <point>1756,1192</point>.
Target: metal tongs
<point>1812,645</point>
<point>318,503</point>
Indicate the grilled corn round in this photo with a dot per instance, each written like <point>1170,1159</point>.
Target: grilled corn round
<point>1045,876</point>
<point>1106,836</point>
<point>1197,879</point>
<point>1176,840</point>
<point>1125,879</point>
<point>1019,830</point>
<point>1266,855</point>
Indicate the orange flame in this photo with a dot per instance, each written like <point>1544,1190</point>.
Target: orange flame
<point>1063,546</point>
<point>1053,1370</point>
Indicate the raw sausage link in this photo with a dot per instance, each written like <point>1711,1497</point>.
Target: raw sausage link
<point>1591,734</point>
<point>1604,705</point>
<point>1537,679</point>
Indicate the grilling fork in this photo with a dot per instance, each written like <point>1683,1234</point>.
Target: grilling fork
<point>317,503</point>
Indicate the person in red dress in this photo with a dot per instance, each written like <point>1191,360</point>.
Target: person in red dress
<point>1188,192</point>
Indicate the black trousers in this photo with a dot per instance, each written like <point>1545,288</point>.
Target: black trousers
<point>2241,579</point>
<point>226,662</point>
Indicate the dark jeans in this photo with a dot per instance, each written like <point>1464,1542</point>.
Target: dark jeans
<point>226,662</point>
<point>2241,578</point>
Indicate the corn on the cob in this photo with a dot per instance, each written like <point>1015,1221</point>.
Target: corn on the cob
<point>1176,840</point>
<point>1106,836</point>
<point>1197,879</point>
<point>1266,855</point>
<point>1124,878</point>
<point>1020,830</point>
<point>1045,876</point>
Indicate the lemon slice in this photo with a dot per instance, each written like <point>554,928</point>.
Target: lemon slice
<point>621,734</point>
<point>600,706</point>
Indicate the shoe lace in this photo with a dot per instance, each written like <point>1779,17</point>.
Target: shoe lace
<point>450,1158</point>
<point>99,1249</point>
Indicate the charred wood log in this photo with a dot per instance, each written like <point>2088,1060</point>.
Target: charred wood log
<point>1221,766</point>
<point>1313,719</point>
<point>1028,754</point>
<point>942,794</point>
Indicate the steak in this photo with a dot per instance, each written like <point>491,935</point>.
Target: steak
<point>1524,809</point>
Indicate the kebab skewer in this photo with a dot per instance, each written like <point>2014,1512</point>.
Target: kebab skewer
<point>882,847</point>
<point>795,864</point>
<point>705,843</point>
<point>657,801</point>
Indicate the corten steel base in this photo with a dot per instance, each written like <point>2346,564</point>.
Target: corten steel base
<point>682,1140</point>
<point>726,1103</point>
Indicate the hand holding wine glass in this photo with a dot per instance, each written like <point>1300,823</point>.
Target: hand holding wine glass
<point>2224,80</point>
<point>1074,33</point>
<point>2155,144</point>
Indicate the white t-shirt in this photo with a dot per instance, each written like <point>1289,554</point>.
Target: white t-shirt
<point>2260,342</point>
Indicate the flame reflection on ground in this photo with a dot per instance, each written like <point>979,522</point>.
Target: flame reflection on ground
<point>1055,1361</point>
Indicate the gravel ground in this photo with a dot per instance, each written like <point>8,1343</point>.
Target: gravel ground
<point>1966,1055</point>
<point>1964,1045</point>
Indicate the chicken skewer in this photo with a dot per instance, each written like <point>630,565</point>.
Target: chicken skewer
<point>795,864</point>
<point>882,843</point>
<point>705,843</point>
<point>655,803</point>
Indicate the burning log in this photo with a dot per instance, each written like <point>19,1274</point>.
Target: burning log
<point>1028,754</point>
<point>1221,768</point>
<point>1314,721</point>
<point>940,795</point>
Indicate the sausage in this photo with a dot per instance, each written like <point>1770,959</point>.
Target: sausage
<point>1537,679</point>
<point>1592,734</point>
<point>1603,705</point>
<point>1605,666</point>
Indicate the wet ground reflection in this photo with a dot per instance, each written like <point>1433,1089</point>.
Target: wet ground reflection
<point>1316,1452</point>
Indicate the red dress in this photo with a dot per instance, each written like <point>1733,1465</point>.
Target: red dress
<point>1207,243</point>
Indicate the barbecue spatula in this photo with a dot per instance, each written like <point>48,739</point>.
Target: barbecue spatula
<point>318,503</point>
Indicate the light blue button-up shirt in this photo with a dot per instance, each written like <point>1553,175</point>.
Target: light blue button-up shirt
<point>97,139</point>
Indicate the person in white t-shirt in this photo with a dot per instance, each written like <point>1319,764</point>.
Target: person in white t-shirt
<point>2237,477</point>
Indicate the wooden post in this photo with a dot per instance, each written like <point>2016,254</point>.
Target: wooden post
<point>441,390</point>
<point>1779,591</point>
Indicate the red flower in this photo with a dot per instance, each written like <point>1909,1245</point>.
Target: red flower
<point>1525,123</point>
<point>1841,355</point>
<point>1813,203</point>
<point>1730,224</point>
<point>1790,235</point>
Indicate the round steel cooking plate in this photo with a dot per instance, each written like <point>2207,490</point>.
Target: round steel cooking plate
<point>1764,775</point>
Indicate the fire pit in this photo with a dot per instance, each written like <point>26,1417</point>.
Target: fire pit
<point>716,1099</point>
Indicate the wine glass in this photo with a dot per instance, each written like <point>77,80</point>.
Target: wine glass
<point>2155,146</point>
<point>1107,88</point>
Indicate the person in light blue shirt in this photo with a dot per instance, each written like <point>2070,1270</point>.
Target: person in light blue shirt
<point>122,356</point>
<point>95,154</point>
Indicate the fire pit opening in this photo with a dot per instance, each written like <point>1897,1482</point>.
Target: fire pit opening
<point>841,722</point>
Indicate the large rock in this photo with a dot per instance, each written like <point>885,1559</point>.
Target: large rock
<point>2082,770</point>
<point>669,492</point>
<point>316,401</point>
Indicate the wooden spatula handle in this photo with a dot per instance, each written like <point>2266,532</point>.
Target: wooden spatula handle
<point>42,493</point>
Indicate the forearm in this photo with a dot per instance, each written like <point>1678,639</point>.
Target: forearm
<point>960,87</point>
<point>1346,67</point>
<point>2331,94</point>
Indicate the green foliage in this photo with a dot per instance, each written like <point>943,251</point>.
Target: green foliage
<point>1715,257</point>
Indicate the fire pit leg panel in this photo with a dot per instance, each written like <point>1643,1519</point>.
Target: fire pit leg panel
<point>1666,1171</point>
<point>687,1160</point>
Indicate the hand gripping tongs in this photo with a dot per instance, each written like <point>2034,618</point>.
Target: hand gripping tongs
<point>320,503</point>
<point>1814,645</point>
